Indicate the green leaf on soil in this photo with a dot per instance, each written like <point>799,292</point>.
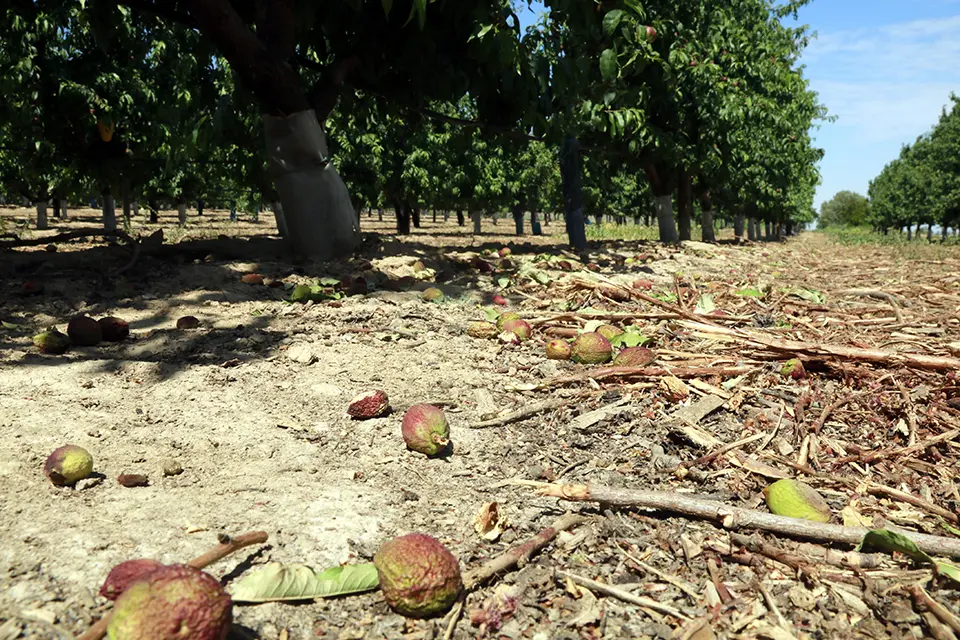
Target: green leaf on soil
<point>947,526</point>
<point>277,582</point>
<point>327,281</point>
<point>749,292</point>
<point>705,304</point>
<point>809,295</point>
<point>491,314</point>
<point>631,337</point>
<point>503,283</point>
<point>891,541</point>
<point>592,325</point>
<point>12,326</point>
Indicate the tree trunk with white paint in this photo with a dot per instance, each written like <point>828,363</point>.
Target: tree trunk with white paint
<point>109,213</point>
<point>666,223</point>
<point>42,222</point>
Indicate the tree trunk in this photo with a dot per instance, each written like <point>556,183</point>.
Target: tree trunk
<point>125,195</point>
<point>415,215</point>
<point>200,207</point>
<point>56,208</point>
<point>570,171</point>
<point>943,233</point>
<point>789,228</point>
<point>665,221</point>
<point>546,218</point>
<point>181,212</point>
<point>446,216</point>
<point>929,233</point>
<point>706,219</point>
<point>460,220</point>
<point>684,206</point>
<point>535,223</point>
<point>64,214</point>
<point>109,213</point>
<point>136,208</point>
<point>477,217</point>
<point>752,229</point>
<point>738,224</point>
<point>918,230</point>
<point>518,218</point>
<point>403,219</point>
<point>154,211</point>
<point>42,222</point>
<point>281,220</point>
<point>316,204</point>
<point>357,215</point>
<point>380,214</point>
<point>909,232</point>
<point>434,216</point>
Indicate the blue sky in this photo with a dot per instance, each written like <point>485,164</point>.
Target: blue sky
<point>885,68</point>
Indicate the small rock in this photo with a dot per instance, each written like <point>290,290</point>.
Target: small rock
<point>172,468</point>
<point>88,483</point>
<point>133,480</point>
<point>302,353</point>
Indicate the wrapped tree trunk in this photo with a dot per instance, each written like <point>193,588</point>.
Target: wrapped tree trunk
<point>320,218</point>
<point>109,212</point>
<point>665,221</point>
<point>42,222</point>
<point>573,193</point>
<point>706,221</point>
<point>477,217</point>
<point>281,220</point>
<point>181,211</point>
<point>535,223</point>
<point>752,229</point>
<point>684,206</point>
<point>738,224</point>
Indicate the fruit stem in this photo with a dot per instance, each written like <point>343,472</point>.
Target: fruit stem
<point>99,628</point>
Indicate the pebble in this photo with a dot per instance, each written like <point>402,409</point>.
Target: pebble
<point>302,353</point>
<point>172,468</point>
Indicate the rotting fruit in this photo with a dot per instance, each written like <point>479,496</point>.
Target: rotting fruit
<point>425,429</point>
<point>519,328</point>
<point>84,331</point>
<point>67,465</point>
<point>634,357</point>
<point>591,348</point>
<point>558,350</point>
<point>125,574</point>
<point>369,404</point>
<point>419,577</point>
<point>114,329</point>
<point>174,602</point>
<point>52,341</point>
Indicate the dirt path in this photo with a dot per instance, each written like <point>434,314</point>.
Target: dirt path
<point>252,406</point>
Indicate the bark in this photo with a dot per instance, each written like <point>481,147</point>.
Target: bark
<point>665,220</point>
<point>42,222</point>
<point>477,216</point>
<point>684,206</point>
<point>929,233</point>
<point>434,216</point>
<point>181,211</point>
<point>766,229</point>
<point>535,223</point>
<point>56,208</point>
<point>64,213</point>
<point>460,219</point>
<point>380,214</point>
<point>570,173</point>
<point>738,226</point>
<point>415,215</point>
<point>200,204</point>
<point>751,229</point>
<point>136,208</point>
<point>125,196</point>
<point>154,211</point>
<point>706,221</point>
<point>909,232</point>
<point>790,228</point>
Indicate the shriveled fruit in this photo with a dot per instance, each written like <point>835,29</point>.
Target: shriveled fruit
<point>175,602</point>
<point>609,331</point>
<point>591,348</point>
<point>432,294</point>
<point>795,499</point>
<point>482,330</point>
<point>505,317</point>
<point>188,322</point>
<point>131,480</point>
<point>84,331</point>
<point>558,350</point>
<point>125,574</point>
<point>634,357</point>
<point>425,429</point>
<point>52,341</point>
<point>518,327</point>
<point>114,329</point>
<point>252,278</point>
<point>500,301</point>
<point>419,577</point>
<point>369,404</point>
<point>68,464</point>
<point>794,369</point>
<point>504,252</point>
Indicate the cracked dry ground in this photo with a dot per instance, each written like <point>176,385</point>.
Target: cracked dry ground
<point>252,406</point>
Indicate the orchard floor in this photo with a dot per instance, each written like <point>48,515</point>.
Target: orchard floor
<point>252,407</point>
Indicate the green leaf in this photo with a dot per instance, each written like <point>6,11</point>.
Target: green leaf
<point>12,326</point>
<point>277,582</point>
<point>946,525</point>
<point>948,571</point>
<point>592,325</point>
<point>891,541</point>
<point>705,304</point>
<point>809,295</point>
<point>503,283</point>
<point>327,281</point>
<point>629,338</point>
<point>387,5</point>
<point>749,292</point>
<point>491,314</point>
<point>612,20</point>
<point>608,64</point>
